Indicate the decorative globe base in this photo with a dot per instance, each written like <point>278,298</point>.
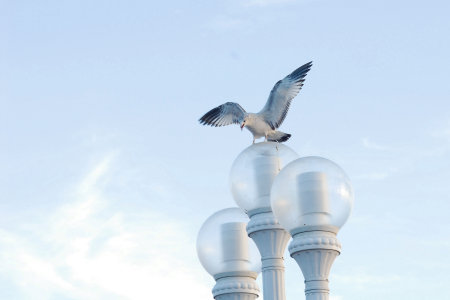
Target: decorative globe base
<point>236,286</point>
<point>315,251</point>
<point>271,240</point>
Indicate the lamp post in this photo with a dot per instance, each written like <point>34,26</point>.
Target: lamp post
<point>226,252</point>
<point>251,179</point>
<point>312,198</point>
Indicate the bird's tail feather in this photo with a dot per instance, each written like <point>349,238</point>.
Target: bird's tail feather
<point>278,136</point>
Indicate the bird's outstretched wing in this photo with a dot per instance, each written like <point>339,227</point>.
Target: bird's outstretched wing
<point>225,114</point>
<point>281,96</point>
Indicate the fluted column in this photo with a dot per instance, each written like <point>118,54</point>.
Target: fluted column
<point>315,249</point>
<point>271,240</point>
<point>236,286</point>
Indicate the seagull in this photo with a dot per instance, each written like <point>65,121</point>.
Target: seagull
<point>265,122</point>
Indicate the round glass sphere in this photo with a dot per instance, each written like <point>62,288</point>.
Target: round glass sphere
<point>254,170</point>
<point>224,246</point>
<point>311,191</point>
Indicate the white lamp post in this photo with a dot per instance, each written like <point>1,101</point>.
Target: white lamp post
<point>227,253</point>
<point>251,179</point>
<point>312,198</point>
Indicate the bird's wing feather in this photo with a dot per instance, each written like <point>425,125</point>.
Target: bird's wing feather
<point>225,114</point>
<point>281,96</point>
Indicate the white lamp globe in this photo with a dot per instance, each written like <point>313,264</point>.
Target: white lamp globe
<point>223,246</point>
<point>253,172</point>
<point>309,192</point>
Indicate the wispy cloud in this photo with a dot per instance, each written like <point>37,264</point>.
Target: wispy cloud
<point>361,280</point>
<point>231,23</point>
<point>442,135</point>
<point>367,143</point>
<point>373,176</point>
<point>86,249</point>
<point>263,3</point>
<point>443,132</point>
<point>377,175</point>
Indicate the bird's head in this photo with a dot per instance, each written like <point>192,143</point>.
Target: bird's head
<point>245,122</point>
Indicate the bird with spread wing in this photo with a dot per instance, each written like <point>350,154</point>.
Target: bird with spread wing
<point>266,122</point>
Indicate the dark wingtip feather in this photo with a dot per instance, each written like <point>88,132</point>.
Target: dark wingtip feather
<point>301,72</point>
<point>210,117</point>
<point>282,139</point>
<point>223,115</point>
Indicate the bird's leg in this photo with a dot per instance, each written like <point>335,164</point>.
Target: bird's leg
<point>265,138</point>
<point>253,140</point>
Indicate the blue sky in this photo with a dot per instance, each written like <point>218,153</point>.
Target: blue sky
<point>106,176</point>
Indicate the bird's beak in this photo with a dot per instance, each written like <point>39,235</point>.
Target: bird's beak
<point>242,126</point>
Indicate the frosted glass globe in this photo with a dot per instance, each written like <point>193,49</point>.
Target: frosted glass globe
<point>224,246</point>
<point>311,191</point>
<point>254,170</point>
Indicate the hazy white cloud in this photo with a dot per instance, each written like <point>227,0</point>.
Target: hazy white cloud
<point>267,2</point>
<point>376,175</point>
<point>88,250</point>
<point>361,280</point>
<point>246,16</point>
<point>373,176</point>
<point>229,23</point>
<point>443,132</point>
<point>385,221</point>
<point>442,136</point>
<point>367,143</point>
